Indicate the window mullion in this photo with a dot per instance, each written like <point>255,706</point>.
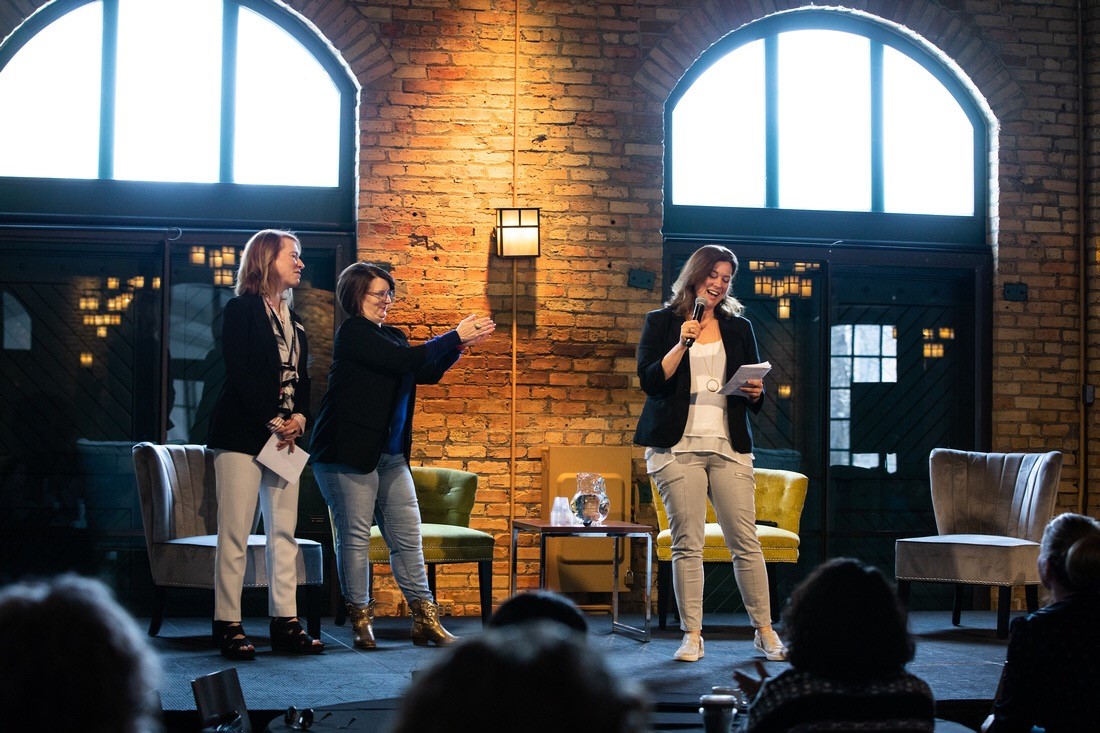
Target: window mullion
<point>878,196</point>
<point>771,121</point>
<point>230,15</point>
<point>107,91</point>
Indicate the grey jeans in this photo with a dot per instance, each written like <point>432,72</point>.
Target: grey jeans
<point>685,484</point>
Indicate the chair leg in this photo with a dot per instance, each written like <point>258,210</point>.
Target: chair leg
<point>341,612</point>
<point>485,589</point>
<point>160,601</point>
<point>1031,596</point>
<point>903,596</point>
<point>956,605</point>
<point>773,591</point>
<point>313,610</point>
<point>664,592</point>
<point>431,578</point>
<point>1004,600</point>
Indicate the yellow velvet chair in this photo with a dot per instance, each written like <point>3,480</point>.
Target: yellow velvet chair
<point>446,499</point>
<point>780,496</point>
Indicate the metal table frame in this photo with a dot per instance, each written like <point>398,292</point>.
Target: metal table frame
<point>615,530</point>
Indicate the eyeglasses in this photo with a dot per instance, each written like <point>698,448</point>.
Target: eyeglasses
<point>382,295</point>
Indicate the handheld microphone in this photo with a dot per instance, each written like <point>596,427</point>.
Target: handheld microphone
<point>700,304</point>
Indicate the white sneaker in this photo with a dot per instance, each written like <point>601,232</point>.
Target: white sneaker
<point>770,646</point>
<point>691,649</point>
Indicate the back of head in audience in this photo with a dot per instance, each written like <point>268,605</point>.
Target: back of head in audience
<point>1069,556</point>
<point>540,605</point>
<point>538,677</point>
<point>72,659</point>
<point>844,622</point>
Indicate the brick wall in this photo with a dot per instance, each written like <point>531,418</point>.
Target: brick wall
<point>436,159</point>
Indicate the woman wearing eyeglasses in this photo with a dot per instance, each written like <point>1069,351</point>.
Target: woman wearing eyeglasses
<point>266,392</point>
<point>362,442</point>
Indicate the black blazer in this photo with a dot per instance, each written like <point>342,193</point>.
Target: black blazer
<point>368,364</point>
<point>249,397</point>
<point>665,413</point>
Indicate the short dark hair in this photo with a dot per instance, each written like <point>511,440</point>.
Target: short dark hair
<point>539,605</point>
<point>354,283</point>
<point>844,622</point>
<point>539,677</point>
<point>67,636</point>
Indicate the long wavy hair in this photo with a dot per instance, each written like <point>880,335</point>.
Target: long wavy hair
<point>696,270</point>
<point>844,622</point>
<point>256,276</point>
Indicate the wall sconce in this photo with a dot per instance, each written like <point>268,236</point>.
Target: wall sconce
<point>947,334</point>
<point>86,359</point>
<point>785,391</point>
<point>518,233</point>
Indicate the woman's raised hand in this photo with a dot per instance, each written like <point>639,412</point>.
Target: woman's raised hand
<point>474,328</point>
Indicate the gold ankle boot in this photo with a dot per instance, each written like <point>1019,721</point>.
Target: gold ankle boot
<point>426,626</point>
<point>362,617</point>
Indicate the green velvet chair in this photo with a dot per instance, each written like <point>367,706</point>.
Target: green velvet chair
<point>446,498</point>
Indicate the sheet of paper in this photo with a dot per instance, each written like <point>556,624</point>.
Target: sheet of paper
<point>288,465</point>
<point>744,374</point>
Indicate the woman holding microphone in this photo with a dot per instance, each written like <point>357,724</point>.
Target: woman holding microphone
<point>698,441</point>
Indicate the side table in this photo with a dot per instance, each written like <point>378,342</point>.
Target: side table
<point>616,530</point>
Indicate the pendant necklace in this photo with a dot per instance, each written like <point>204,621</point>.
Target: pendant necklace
<point>712,384</point>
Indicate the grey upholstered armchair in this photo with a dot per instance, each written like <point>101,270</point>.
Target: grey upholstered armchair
<point>990,509</point>
<point>179,509</point>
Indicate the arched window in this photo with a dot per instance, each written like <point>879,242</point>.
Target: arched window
<point>824,112</point>
<point>846,164</point>
<point>141,143</point>
<point>213,108</point>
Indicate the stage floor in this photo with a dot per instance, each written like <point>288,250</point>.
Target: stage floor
<point>961,664</point>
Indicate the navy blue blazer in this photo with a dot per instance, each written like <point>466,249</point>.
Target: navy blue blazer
<point>368,364</point>
<point>249,397</point>
<point>665,413</point>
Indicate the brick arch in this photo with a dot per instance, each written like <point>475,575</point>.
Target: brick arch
<point>941,30</point>
<point>352,33</point>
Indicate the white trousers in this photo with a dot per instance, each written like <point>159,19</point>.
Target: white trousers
<point>242,481</point>
<point>684,485</point>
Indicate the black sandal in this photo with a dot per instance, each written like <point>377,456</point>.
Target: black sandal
<point>233,642</point>
<point>288,637</point>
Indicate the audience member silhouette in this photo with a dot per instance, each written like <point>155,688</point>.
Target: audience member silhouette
<point>71,659</point>
<point>538,677</point>
<point>849,645</point>
<point>1052,672</point>
<point>539,605</point>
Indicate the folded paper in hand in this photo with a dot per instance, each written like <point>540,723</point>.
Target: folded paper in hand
<point>743,374</point>
<point>288,465</point>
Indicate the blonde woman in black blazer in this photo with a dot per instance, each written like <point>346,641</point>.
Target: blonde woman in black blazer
<point>698,442</point>
<point>362,442</point>
<point>266,392</point>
